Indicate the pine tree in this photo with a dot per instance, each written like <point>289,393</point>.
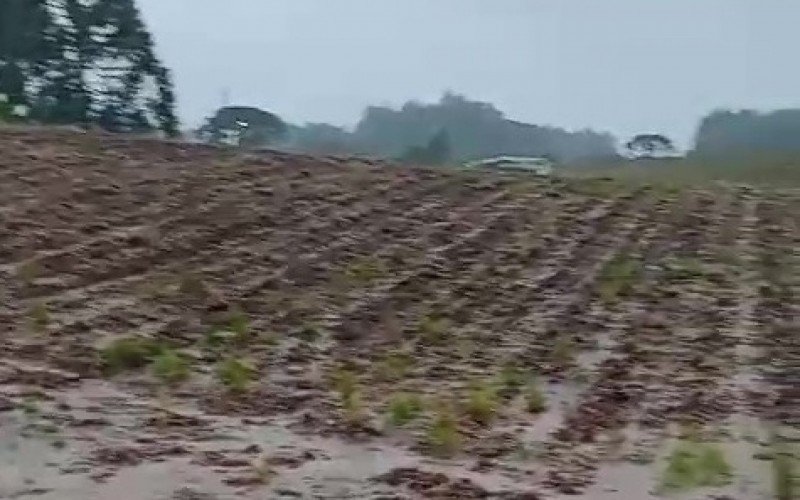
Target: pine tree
<point>75,61</point>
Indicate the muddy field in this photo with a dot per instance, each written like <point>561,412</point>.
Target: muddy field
<point>179,322</point>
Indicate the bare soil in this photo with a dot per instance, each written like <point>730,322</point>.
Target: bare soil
<point>640,315</point>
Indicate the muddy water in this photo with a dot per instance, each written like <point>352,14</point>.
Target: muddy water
<point>52,450</point>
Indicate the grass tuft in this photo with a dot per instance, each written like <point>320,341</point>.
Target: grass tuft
<point>618,277</point>
<point>403,408</point>
<point>170,367</point>
<point>685,269</point>
<point>481,404</point>
<point>345,383</point>
<point>394,366</point>
<point>512,378</point>
<point>235,374</point>
<point>535,402</point>
<point>695,465</point>
<point>365,270</point>
<point>239,325</point>
<point>563,352</point>
<point>39,317</point>
<point>309,333</point>
<point>128,353</point>
<point>433,330</point>
<point>784,471</point>
<point>442,435</point>
<point>28,271</point>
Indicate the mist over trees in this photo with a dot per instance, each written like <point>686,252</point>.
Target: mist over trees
<point>92,62</point>
<point>80,62</point>
<point>474,129</point>
<point>724,132</point>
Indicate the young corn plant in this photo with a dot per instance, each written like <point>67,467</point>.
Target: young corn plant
<point>481,404</point>
<point>403,408</point>
<point>235,374</point>
<point>442,436</point>
<point>170,367</point>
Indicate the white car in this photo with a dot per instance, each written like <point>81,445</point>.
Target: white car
<point>538,166</point>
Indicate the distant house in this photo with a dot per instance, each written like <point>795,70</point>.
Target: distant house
<point>534,165</point>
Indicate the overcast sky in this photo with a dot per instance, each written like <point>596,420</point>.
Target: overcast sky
<point>624,66</point>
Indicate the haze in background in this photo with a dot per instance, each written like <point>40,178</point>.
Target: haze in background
<point>624,66</point>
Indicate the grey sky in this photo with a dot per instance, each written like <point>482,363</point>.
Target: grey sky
<point>625,66</point>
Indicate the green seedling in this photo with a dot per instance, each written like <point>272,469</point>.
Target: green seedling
<point>535,402</point>
<point>563,352</point>
<point>170,367</point>
<point>618,277</point>
<point>216,338</point>
<point>784,471</point>
<point>309,333</point>
<point>365,270</point>
<point>239,325</point>
<point>28,271</point>
<point>433,330</point>
<point>403,408</point>
<point>394,366</point>
<point>345,383</point>
<point>442,435</point>
<point>481,404</point>
<point>512,378</point>
<point>128,353</point>
<point>39,316</point>
<point>684,269</point>
<point>695,465</point>
<point>29,407</point>
<point>235,374</point>
<point>353,408</point>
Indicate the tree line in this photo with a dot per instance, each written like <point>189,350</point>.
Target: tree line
<point>93,63</point>
<point>455,128</point>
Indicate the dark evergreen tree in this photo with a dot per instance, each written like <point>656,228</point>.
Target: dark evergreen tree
<point>75,61</point>
<point>243,126</point>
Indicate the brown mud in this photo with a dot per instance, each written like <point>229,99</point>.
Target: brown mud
<point>633,316</point>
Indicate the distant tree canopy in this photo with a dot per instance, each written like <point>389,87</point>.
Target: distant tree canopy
<point>728,131</point>
<point>650,145</point>
<point>436,152</point>
<point>80,61</point>
<point>475,130</point>
<point>243,126</point>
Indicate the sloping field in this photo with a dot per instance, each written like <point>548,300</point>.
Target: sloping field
<point>180,322</point>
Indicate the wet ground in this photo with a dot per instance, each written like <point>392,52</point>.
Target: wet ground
<point>181,322</point>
